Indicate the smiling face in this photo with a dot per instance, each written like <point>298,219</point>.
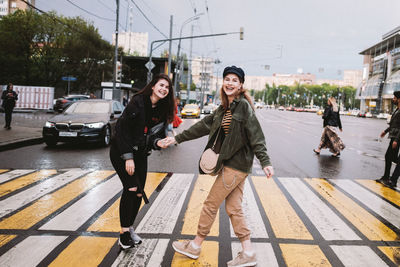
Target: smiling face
<point>160,89</point>
<point>231,86</point>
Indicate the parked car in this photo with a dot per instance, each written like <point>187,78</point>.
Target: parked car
<point>368,115</point>
<point>382,116</point>
<point>320,112</point>
<point>85,120</point>
<point>259,105</point>
<point>190,110</point>
<point>281,108</point>
<point>361,115</point>
<point>62,103</point>
<point>208,109</point>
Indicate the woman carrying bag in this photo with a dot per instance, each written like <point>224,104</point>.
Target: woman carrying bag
<point>139,130</point>
<point>330,138</point>
<point>235,134</point>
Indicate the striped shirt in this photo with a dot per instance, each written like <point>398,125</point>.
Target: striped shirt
<point>226,121</point>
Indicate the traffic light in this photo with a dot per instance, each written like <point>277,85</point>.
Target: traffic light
<point>118,72</point>
<point>241,33</point>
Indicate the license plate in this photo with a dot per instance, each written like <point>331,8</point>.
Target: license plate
<point>68,134</point>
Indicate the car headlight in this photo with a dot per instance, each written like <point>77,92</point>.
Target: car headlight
<point>49,124</point>
<point>95,125</point>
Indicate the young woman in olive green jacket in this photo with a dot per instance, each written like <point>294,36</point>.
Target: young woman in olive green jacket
<point>241,136</point>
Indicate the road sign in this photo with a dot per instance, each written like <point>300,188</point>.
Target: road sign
<point>150,65</point>
<point>68,78</point>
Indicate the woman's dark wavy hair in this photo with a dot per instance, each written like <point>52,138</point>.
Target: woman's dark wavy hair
<point>167,104</point>
<point>9,85</point>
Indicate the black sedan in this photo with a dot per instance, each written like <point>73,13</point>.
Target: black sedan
<point>85,120</point>
<point>64,102</point>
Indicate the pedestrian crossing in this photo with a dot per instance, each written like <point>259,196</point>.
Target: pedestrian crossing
<point>70,218</point>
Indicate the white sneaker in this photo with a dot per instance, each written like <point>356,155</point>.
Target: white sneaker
<point>135,236</point>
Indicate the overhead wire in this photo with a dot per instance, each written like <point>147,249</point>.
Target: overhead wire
<point>89,12</point>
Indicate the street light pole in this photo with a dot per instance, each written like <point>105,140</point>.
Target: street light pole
<point>116,51</point>
<point>178,60</point>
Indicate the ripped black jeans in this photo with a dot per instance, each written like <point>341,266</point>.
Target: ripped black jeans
<point>130,202</point>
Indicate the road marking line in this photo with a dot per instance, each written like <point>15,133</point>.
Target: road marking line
<point>208,256</point>
<point>164,212</point>
<point>4,239</point>
<point>199,195</point>
<point>375,203</point>
<point>109,220</point>
<point>85,251</point>
<point>361,256</point>
<point>252,214</point>
<point>390,252</point>
<point>149,253</point>
<point>303,255</point>
<point>387,193</point>
<point>16,201</point>
<point>50,203</point>
<point>284,221</point>
<point>4,177</point>
<point>3,170</point>
<point>323,218</point>
<point>30,251</point>
<point>77,214</point>
<point>264,252</point>
<point>369,225</point>
<point>25,180</point>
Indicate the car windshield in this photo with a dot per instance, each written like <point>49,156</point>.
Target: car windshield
<point>88,107</point>
<point>191,106</point>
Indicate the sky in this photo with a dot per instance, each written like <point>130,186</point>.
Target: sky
<point>322,37</point>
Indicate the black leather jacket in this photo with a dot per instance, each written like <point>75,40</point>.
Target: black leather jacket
<point>9,101</point>
<point>130,135</point>
<point>331,118</point>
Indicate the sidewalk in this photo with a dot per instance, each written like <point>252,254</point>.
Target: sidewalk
<point>26,129</point>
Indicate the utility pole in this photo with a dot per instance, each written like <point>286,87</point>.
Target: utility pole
<point>170,45</point>
<point>116,52</point>
<point>189,69</point>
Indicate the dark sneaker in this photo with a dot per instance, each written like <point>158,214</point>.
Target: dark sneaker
<point>136,238</point>
<point>125,240</point>
<point>185,248</point>
<point>387,183</point>
<point>243,260</point>
<point>382,180</point>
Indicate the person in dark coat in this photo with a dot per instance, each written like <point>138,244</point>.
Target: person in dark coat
<point>330,138</point>
<point>392,151</point>
<point>9,98</point>
<point>130,147</point>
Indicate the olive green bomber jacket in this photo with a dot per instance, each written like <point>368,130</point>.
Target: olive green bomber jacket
<point>244,140</point>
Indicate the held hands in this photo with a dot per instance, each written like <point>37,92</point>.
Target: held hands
<point>166,142</point>
<point>383,134</point>
<point>269,171</point>
<point>394,144</point>
<point>130,166</point>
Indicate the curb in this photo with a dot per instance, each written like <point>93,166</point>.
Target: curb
<point>22,143</point>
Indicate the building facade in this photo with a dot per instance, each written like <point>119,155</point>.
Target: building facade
<point>133,43</point>
<point>381,74</point>
<point>10,6</point>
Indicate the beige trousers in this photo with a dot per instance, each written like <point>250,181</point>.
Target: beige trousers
<point>228,186</point>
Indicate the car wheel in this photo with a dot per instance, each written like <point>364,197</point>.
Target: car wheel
<point>50,142</point>
<point>106,136</point>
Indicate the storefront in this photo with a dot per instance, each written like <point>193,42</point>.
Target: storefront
<point>381,75</point>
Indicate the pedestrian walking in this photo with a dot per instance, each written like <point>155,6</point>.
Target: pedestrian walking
<point>9,97</point>
<point>392,151</point>
<point>140,128</point>
<point>330,138</point>
<point>236,135</point>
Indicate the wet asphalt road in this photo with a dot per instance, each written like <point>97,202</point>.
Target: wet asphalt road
<point>290,137</point>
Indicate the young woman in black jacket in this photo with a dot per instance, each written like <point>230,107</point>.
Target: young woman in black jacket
<point>330,138</point>
<point>153,105</point>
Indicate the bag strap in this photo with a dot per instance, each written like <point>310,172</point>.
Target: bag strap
<point>216,138</point>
